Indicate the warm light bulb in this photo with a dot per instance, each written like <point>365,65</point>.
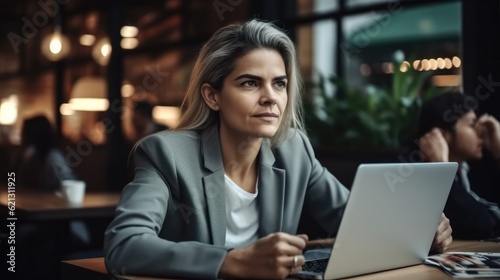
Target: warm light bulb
<point>66,110</point>
<point>55,45</point>
<point>456,61</point>
<point>447,63</point>
<point>101,51</point>
<point>433,63</point>
<point>128,31</point>
<point>365,70</point>
<point>89,104</point>
<point>417,65</point>
<point>404,66</point>
<point>441,63</point>
<point>105,49</point>
<point>129,43</point>
<point>168,115</point>
<point>387,67</point>
<point>87,39</point>
<point>127,90</point>
<point>8,110</point>
<point>426,65</point>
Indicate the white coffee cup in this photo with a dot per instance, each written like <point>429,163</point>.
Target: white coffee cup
<point>73,191</point>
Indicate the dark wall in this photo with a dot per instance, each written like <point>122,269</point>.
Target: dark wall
<point>481,74</point>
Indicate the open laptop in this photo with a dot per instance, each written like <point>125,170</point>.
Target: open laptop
<point>389,222</point>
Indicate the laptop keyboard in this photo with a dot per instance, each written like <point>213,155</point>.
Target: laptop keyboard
<point>317,266</point>
<point>316,260</point>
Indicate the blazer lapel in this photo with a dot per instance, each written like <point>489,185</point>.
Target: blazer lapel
<point>271,193</point>
<point>213,186</point>
<point>271,189</point>
<point>216,205</point>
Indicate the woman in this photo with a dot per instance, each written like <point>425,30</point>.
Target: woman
<point>236,173</point>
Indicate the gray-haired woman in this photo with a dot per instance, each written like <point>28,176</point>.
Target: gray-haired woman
<point>235,174</point>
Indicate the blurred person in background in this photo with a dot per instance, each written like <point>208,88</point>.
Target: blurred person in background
<point>143,122</point>
<point>450,131</point>
<point>42,164</point>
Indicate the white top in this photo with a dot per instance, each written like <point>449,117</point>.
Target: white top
<point>242,215</point>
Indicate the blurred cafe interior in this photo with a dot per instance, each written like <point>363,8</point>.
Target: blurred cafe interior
<point>85,65</point>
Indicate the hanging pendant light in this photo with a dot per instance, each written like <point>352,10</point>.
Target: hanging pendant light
<point>101,51</point>
<point>55,46</point>
<point>89,94</point>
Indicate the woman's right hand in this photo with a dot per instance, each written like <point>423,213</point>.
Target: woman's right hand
<point>271,257</point>
<point>434,147</point>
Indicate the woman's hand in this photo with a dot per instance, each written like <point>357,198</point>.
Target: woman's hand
<point>272,257</point>
<point>490,133</point>
<point>442,238</point>
<point>434,147</point>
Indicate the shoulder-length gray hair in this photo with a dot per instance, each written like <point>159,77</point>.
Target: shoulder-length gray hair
<point>216,61</point>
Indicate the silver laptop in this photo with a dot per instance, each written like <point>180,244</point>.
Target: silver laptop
<point>389,222</point>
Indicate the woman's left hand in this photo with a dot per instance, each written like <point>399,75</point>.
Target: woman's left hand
<point>443,238</point>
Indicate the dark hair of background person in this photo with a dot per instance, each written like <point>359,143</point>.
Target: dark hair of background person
<point>442,111</point>
<point>38,131</point>
<point>144,108</point>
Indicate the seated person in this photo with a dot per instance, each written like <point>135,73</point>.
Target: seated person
<point>221,195</point>
<point>449,134</point>
<point>42,164</point>
<point>143,122</point>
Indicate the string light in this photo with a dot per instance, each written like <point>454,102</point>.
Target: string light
<point>418,65</point>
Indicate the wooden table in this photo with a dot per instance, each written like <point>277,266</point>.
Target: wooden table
<point>424,272</point>
<point>34,205</point>
<point>95,269</point>
<point>44,223</point>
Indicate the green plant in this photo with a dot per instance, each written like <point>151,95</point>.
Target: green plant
<point>371,117</point>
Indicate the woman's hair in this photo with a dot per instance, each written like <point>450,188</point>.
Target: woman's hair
<point>442,111</point>
<point>216,61</point>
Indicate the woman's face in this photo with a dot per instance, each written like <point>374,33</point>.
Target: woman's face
<point>254,95</point>
<point>466,143</point>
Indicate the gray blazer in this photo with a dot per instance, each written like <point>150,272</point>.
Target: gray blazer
<point>170,220</point>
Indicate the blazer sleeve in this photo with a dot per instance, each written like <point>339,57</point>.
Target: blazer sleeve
<point>469,218</point>
<point>132,245</point>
